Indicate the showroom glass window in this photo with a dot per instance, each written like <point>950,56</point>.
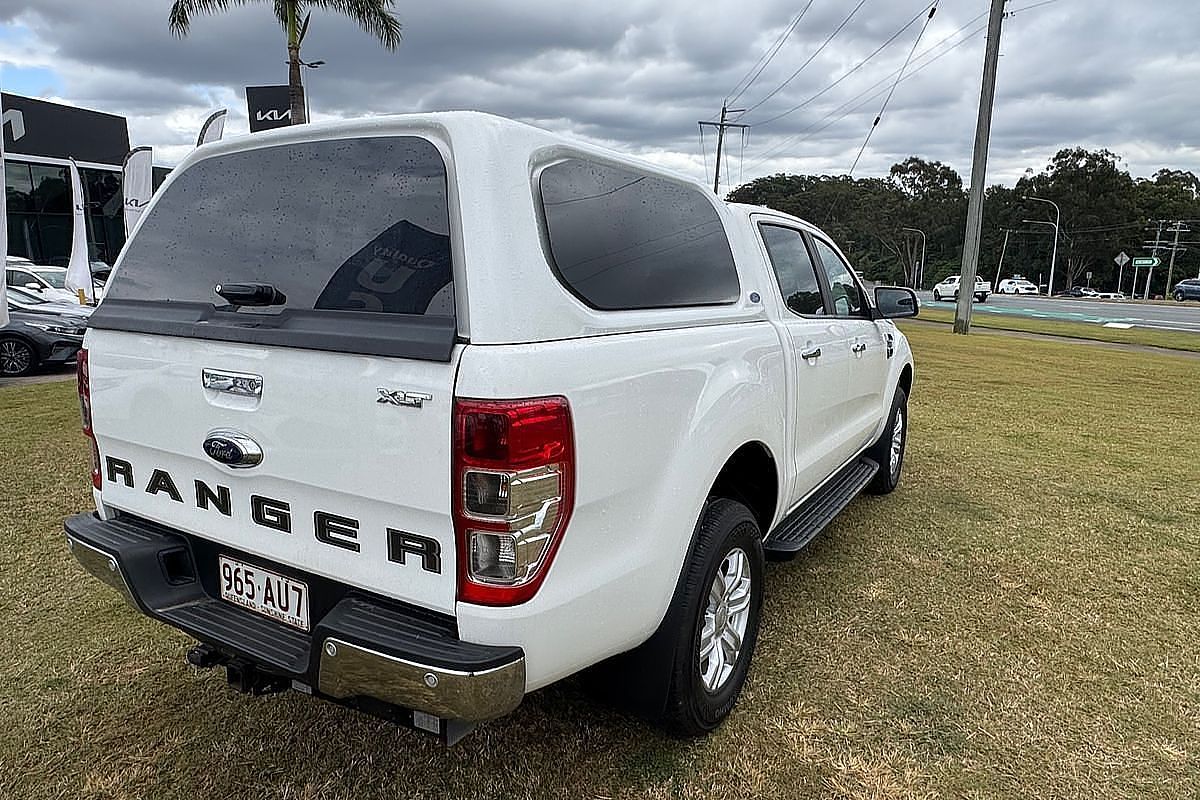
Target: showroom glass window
<point>620,239</point>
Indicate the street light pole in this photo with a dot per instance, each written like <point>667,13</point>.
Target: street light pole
<point>1054,252</point>
<point>1000,266</point>
<point>919,272</point>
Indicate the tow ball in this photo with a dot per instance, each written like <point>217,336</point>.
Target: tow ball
<point>241,674</point>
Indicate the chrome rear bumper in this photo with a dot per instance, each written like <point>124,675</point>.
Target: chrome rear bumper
<point>360,646</point>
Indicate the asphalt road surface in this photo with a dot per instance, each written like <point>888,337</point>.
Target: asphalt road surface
<point>1112,313</point>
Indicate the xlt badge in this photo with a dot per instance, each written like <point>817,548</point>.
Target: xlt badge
<point>399,397</point>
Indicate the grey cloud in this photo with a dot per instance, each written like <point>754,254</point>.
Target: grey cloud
<point>639,74</point>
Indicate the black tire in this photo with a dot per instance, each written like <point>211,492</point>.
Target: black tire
<point>17,357</point>
<point>888,477</point>
<point>660,679</point>
<point>937,296</point>
<point>1178,296</point>
<point>691,709</point>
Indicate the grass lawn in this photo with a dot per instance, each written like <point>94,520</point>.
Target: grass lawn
<point>1018,620</point>
<point>1153,337</point>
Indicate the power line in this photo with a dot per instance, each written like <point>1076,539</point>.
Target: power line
<point>767,57</point>
<point>849,107</point>
<point>853,69</point>
<point>809,60</point>
<point>805,133</point>
<point>888,99</point>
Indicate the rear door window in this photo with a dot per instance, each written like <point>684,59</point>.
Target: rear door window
<point>793,269</point>
<point>621,239</point>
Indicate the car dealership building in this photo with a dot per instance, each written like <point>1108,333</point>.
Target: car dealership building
<point>39,138</point>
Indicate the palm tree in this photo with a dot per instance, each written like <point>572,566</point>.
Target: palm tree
<point>373,16</point>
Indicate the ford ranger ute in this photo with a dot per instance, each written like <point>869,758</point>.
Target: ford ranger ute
<point>420,414</point>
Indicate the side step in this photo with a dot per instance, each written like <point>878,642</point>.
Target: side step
<point>813,515</point>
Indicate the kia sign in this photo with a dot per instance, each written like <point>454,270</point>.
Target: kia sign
<point>269,107</point>
<point>38,128</point>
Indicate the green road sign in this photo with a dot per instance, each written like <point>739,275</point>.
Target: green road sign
<point>1152,261</point>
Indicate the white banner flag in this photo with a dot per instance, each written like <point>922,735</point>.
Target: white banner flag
<point>137,184</point>
<point>213,128</point>
<point>79,268</point>
<point>3,226</point>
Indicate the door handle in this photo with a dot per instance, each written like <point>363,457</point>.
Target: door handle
<point>858,348</point>
<point>814,353</point>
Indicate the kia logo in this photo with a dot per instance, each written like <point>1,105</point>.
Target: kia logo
<point>274,115</point>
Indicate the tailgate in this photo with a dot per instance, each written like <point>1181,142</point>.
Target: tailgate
<point>329,446</point>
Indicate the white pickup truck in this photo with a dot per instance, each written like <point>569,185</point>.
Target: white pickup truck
<point>420,414</point>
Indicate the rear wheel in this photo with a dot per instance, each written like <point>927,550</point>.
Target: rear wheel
<point>16,357</point>
<point>937,295</point>
<point>888,450</point>
<point>717,607</point>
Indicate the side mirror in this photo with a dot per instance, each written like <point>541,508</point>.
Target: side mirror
<point>893,302</point>
<point>34,287</point>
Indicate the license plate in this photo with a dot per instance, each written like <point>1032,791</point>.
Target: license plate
<point>264,592</point>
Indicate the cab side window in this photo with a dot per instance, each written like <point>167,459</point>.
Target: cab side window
<point>793,269</point>
<point>844,290</point>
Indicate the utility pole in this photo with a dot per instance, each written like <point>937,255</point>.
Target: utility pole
<point>721,127</point>
<point>1150,270</point>
<point>983,129</point>
<point>1003,250</point>
<point>1178,228</point>
<point>919,270</point>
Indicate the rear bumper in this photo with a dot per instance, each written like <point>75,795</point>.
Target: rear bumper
<point>360,646</point>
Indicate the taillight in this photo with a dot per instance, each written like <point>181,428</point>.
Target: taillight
<point>514,488</point>
<point>83,380</point>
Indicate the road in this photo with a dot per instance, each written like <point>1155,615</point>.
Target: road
<point>1112,313</point>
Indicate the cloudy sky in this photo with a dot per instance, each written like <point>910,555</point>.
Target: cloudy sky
<point>637,75</point>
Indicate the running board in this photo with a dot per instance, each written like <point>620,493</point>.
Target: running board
<point>813,515</point>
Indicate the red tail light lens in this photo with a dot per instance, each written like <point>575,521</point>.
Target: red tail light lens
<point>84,384</point>
<point>514,483</point>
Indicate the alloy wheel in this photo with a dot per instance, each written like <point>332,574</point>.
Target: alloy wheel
<point>15,357</point>
<point>897,448</point>
<point>725,619</point>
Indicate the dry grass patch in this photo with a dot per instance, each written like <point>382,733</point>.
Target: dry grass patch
<point>1018,620</point>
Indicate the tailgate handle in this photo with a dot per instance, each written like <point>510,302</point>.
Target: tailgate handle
<point>239,383</point>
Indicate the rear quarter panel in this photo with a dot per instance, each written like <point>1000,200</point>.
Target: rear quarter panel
<point>656,415</point>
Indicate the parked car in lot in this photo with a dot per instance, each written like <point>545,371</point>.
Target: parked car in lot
<point>1111,295</point>
<point>1188,289</point>
<point>948,288</point>
<point>28,300</point>
<point>45,281</point>
<point>1078,291</point>
<point>1016,286</point>
<point>538,407</point>
<point>38,336</point>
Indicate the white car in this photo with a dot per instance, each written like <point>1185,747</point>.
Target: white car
<point>45,281</point>
<point>1017,286</point>
<point>948,288</point>
<point>537,406</point>
<point>1111,295</point>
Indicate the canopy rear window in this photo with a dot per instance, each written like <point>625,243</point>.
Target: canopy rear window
<point>353,229</point>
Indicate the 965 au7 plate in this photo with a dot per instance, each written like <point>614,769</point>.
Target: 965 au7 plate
<point>264,592</point>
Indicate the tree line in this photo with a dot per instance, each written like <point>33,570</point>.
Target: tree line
<point>1104,211</point>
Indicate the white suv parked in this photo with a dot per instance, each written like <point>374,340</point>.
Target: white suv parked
<point>419,414</point>
<point>948,288</point>
<point>1016,286</point>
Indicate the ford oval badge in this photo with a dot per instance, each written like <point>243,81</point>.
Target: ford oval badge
<point>233,449</point>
